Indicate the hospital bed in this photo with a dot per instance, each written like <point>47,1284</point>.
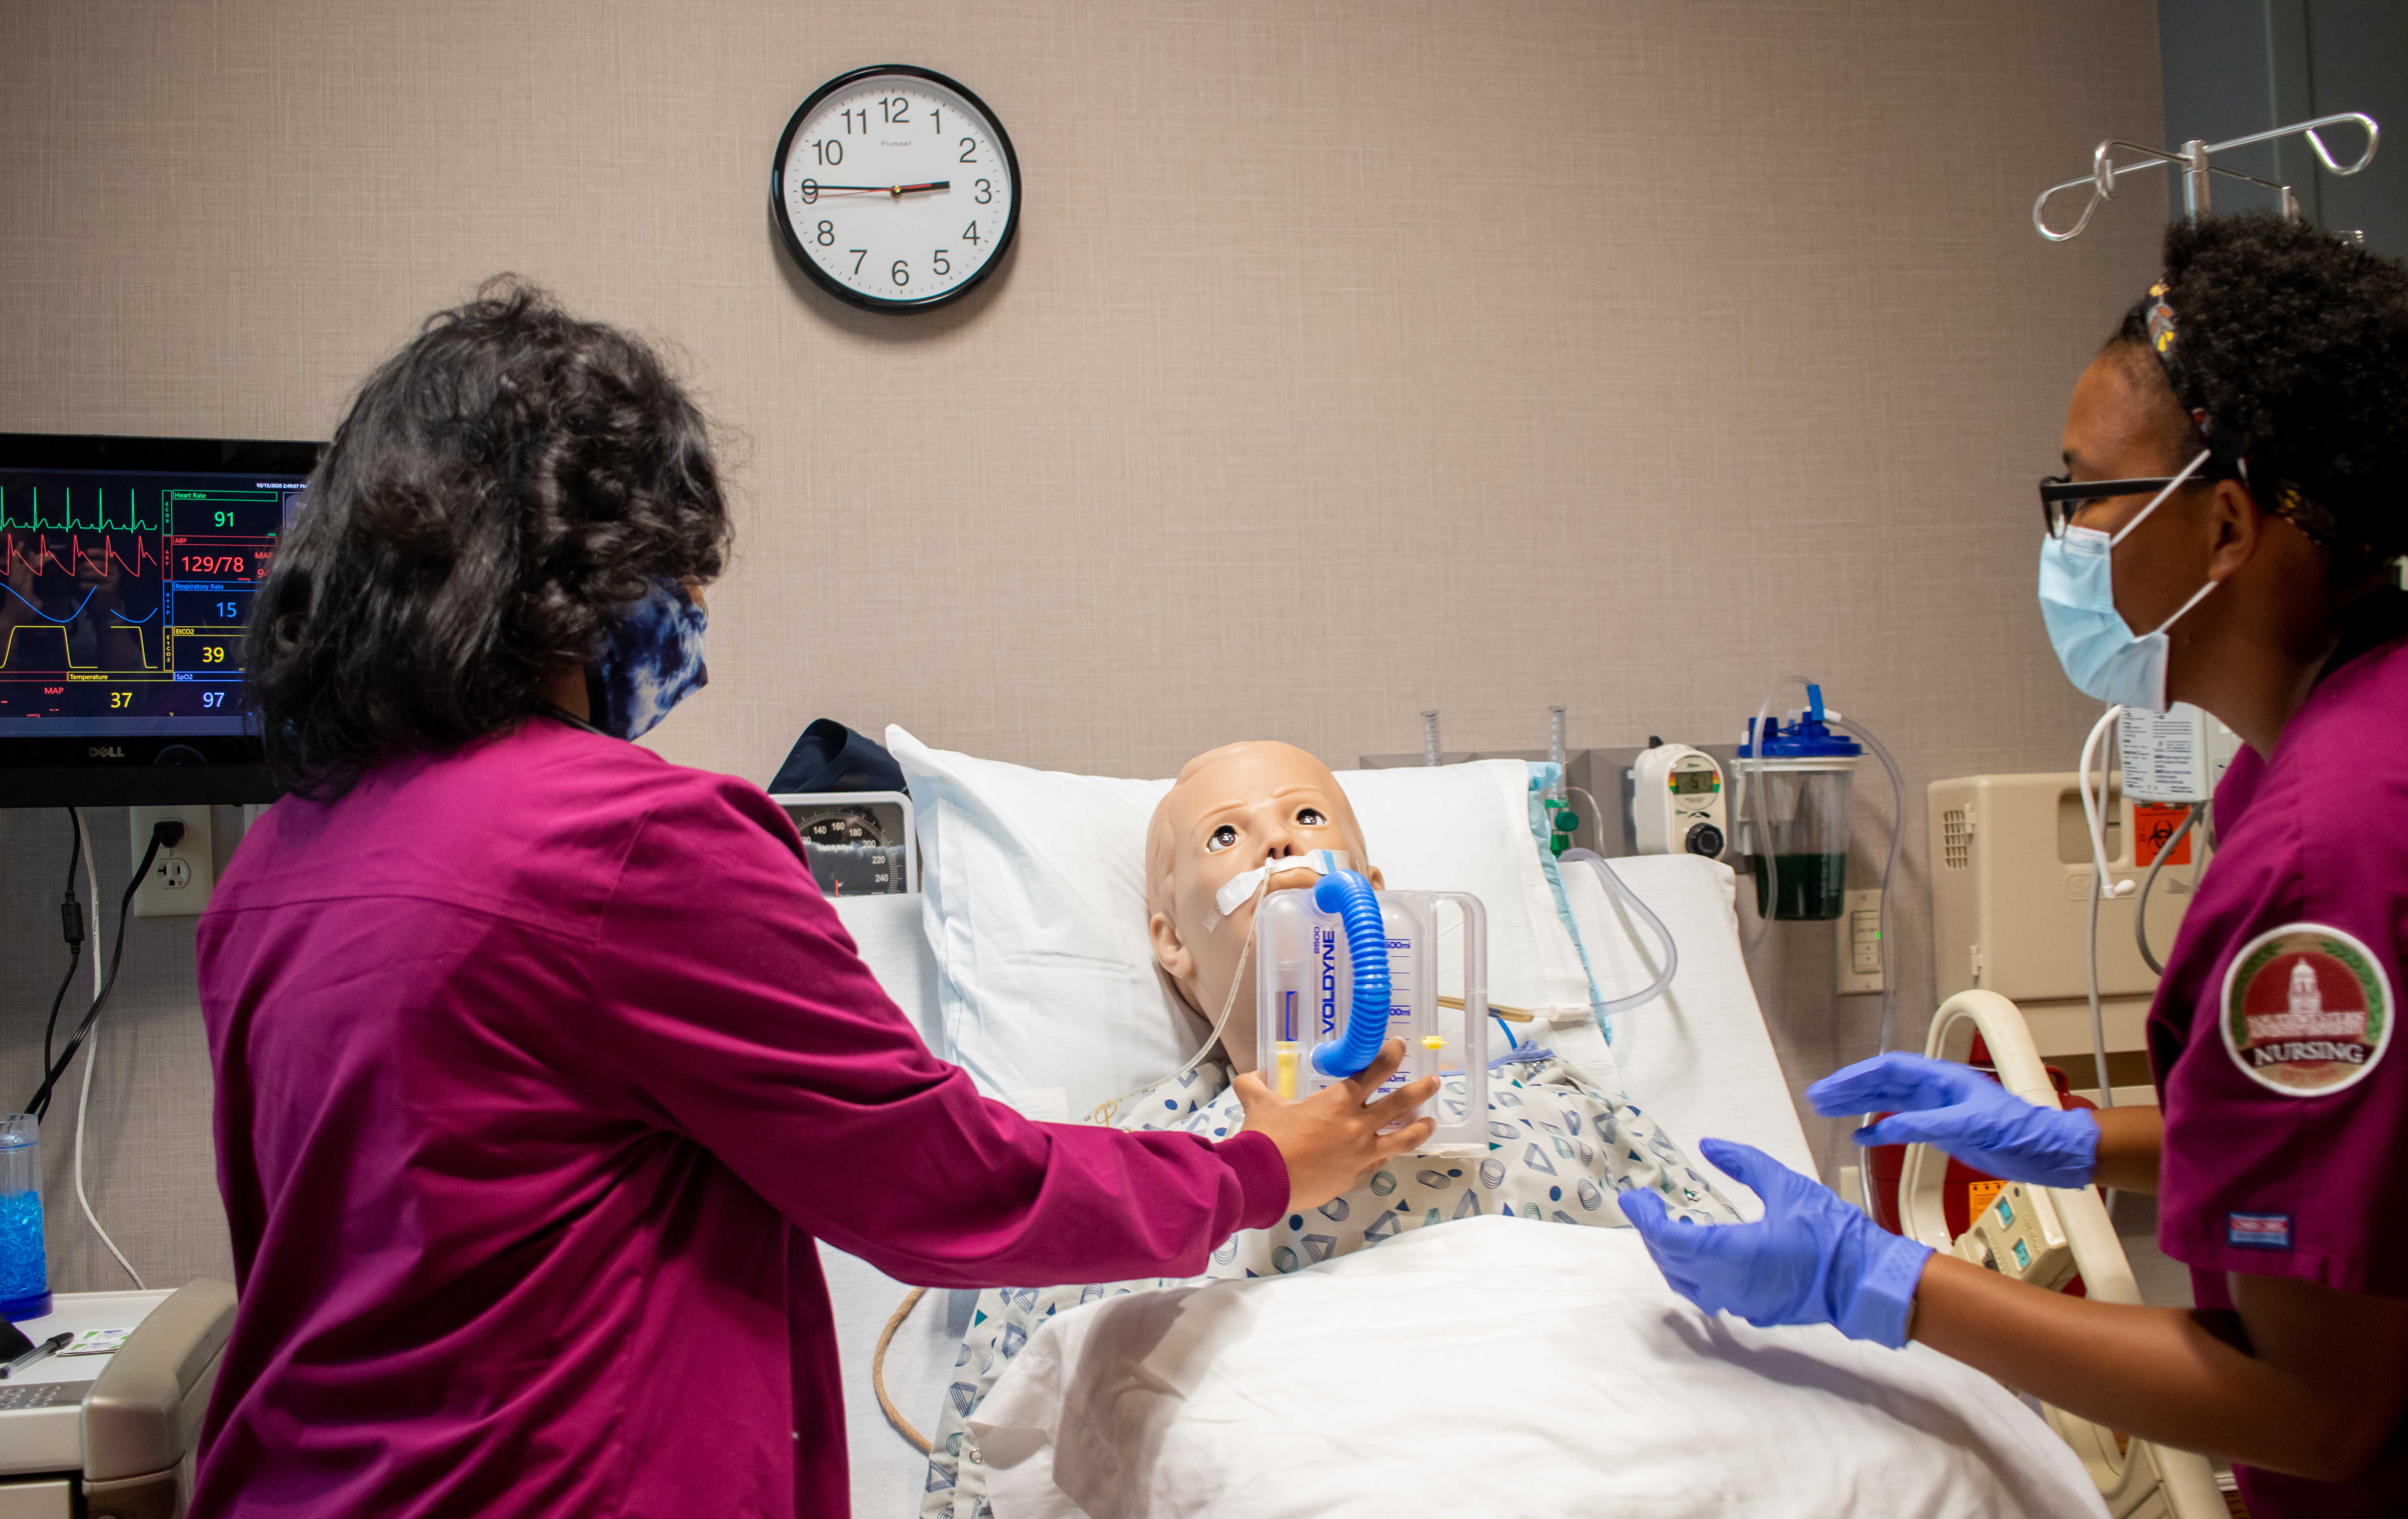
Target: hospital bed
<point>1700,1059</point>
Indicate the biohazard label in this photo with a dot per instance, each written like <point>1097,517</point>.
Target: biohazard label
<point>2306,1009</point>
<point>2153,824</point>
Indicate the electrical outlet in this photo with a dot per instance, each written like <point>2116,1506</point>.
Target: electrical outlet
<point>1860,932</point>
<point>180,877</point>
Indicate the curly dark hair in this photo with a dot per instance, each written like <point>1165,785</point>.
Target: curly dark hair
<point>2292,347</point>
<point>498,492</point>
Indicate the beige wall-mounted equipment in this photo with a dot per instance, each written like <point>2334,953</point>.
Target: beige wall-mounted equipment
<point>2011,883</point>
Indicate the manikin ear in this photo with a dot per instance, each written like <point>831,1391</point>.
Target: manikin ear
<point>1372,875</point>
<point>1172,954</point>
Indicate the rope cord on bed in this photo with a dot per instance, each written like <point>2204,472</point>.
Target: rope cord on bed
<point>878,1372</point>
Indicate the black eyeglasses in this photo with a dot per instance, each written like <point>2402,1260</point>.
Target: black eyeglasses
<point>2061,496</point>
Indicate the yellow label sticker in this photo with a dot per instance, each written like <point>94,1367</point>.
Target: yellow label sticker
<point>1980,1195</point>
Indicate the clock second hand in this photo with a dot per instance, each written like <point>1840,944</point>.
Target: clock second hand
<point>898,190</point>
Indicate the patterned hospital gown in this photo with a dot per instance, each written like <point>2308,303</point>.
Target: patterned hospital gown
<point>1559,1149</point>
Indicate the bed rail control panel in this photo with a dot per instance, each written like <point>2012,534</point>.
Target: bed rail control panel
<point>2017,1233</point>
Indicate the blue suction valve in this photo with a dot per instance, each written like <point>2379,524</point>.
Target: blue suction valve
<point>1348,894</point>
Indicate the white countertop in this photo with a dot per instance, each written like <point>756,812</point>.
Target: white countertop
<point>52,1438</point>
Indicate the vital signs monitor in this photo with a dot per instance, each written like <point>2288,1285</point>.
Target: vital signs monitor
<point>130,564</point>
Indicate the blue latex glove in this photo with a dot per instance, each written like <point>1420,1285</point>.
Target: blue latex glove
<point>1965,1113</point>
<point>1810,1259</point>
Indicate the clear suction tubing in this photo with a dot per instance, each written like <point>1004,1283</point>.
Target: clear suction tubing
<point>1345,967</point>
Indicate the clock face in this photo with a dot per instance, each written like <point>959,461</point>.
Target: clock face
<point>894,188</point>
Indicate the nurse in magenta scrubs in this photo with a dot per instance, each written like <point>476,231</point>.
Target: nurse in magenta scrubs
<point>2227,534</point>
<point>540,1062</point>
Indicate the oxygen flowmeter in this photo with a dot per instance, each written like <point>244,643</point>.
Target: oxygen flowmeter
<point>1676,802</point>
<point>1344,968</point>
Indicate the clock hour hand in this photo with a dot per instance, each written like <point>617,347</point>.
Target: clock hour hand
<point>897,191</point>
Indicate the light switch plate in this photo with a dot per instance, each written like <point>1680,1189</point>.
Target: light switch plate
<point>180,878</point>
<point>1859,943</point>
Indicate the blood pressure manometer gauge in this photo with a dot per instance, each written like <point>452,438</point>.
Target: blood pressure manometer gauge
<point>1676,802</point>
<point>895,188</point>
<point>857,843</point>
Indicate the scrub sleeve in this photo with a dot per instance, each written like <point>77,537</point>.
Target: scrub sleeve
<point>2274,1035</point>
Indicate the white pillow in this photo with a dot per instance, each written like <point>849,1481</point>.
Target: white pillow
<point>1033,905</point>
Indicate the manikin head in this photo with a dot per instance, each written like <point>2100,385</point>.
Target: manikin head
<point>1232,809</point>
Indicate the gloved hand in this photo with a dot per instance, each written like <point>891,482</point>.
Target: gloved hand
<point>1810,1259</point>
<point>1965,1113</point>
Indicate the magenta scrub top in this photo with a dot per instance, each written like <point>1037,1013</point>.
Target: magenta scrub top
<point>2273,1036</point>
<point>540,1067</point>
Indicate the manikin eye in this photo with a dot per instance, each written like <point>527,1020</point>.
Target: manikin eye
<point>1309,816</point>
<point>1222,838</point>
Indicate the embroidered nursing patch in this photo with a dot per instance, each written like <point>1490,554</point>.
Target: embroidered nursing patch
<point>2257,1231</point>
<point>2306,1010</point>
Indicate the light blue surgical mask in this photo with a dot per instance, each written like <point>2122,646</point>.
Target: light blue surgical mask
<point>652,660</point>
<point>2101,656</point>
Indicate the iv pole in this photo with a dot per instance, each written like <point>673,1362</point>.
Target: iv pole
<point>2193,157</point>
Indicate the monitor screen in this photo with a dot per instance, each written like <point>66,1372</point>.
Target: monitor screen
<point>131,568</point>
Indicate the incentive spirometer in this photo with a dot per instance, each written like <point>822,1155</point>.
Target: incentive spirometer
<point>1344,968</point>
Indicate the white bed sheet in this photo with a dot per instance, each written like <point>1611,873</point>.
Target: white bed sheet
<point>1496,1367</point>
<point>1699,1059</point>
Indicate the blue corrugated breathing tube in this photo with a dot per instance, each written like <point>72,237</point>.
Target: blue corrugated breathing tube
<point>1348,894</point>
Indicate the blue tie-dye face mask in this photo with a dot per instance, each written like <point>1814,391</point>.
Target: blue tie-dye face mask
<point>652,660</point>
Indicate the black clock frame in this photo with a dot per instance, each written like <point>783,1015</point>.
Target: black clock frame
<point>828,283</point>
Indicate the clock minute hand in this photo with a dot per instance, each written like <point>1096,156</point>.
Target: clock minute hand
<point>897,191</point>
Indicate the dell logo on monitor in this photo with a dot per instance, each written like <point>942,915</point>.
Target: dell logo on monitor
<point>107,751</point>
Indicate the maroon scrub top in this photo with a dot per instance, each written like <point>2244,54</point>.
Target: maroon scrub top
<point>539,1066</point>
<point>2274,1035</point>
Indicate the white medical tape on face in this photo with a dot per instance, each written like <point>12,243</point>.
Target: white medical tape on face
<point>1240,889</point>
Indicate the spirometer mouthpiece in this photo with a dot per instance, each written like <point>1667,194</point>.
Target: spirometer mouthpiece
<point>1241,886</point>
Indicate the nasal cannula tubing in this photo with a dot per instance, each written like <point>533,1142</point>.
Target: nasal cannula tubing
<point>1620,888</point>
<point>1102,1113</point>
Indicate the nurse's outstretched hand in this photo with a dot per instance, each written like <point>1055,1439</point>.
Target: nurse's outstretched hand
<point>1810,1259</point>
<point>1965,1113</point>
<point>1333,1137</point>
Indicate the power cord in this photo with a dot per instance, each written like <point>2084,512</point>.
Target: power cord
<point>70,930</point>
<point>166,833</point>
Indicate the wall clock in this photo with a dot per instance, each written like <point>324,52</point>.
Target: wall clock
<point>895,188</point>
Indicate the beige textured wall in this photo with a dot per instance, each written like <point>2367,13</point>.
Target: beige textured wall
<point>1355,359</point>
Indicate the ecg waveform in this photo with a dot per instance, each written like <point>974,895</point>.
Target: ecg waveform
<point>60,514</point>
<point>40,553</point>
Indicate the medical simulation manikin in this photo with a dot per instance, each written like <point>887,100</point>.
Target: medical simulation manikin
<point>1559,1149</point>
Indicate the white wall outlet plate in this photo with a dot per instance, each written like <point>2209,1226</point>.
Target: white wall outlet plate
<point>1860,931</point>
<point>179,884</point>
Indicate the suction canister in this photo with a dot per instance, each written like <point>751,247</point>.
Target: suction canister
<point>1344,968</point>
<point>1795,832</point>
